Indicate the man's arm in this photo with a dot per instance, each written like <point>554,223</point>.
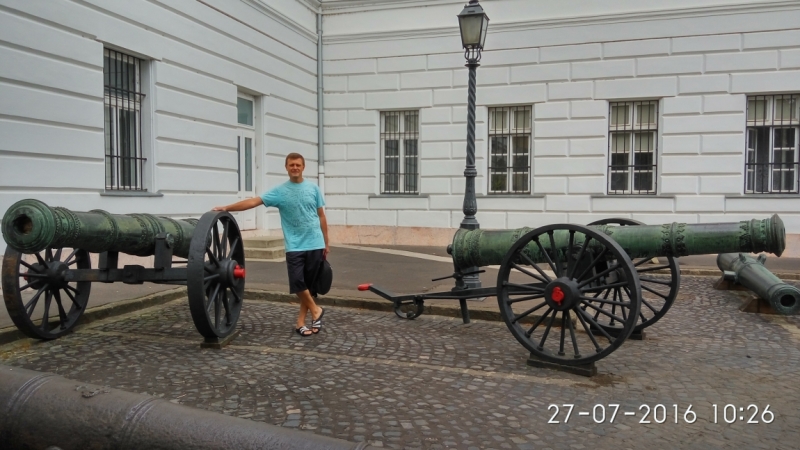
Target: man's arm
<point>323,224</point>
<point>245,204</point>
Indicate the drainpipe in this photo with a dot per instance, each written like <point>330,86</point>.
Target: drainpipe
<point>320,121</point>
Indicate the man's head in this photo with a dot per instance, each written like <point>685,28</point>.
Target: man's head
<point>295,164</point>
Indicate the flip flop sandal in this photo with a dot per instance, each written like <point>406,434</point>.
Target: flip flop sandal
<point>316,324</point>
<point>302,331</point>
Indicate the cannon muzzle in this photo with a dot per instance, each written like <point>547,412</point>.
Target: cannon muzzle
<point>30,226</point>
<point>752,274</point>
<point>477,248</point>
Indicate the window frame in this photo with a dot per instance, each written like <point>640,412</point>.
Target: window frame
<point>511,131</point>
<point>399,182</point>
<point>771,124</point>
<point>630,128</point>
<point>124,153</point>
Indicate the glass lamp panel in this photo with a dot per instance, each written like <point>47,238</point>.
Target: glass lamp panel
<point>470,29</point>
<point>484,27</point>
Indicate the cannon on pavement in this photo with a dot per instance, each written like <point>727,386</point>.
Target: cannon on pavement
<point>751,273</point>
<point>47,273</point>
<point>572,294</point>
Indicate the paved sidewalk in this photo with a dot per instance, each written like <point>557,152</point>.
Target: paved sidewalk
<point>435,383</point>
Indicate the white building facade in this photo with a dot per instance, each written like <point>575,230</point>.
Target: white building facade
<point>656,111</point>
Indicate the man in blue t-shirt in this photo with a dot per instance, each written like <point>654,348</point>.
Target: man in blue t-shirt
<point>305,234</point>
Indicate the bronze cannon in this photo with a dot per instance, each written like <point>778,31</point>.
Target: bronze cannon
<point>571,294</point>
<point>47,293</point>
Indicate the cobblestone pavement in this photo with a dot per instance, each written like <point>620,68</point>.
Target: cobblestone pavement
<point>436,383</point>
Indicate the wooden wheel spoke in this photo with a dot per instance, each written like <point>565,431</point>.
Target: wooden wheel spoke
<point>210,277</point>
<point>563,333</point>
<point>226,306</point>
<point>524,299</point>
<point>652,269</point>
<point>535,266</point>
<point>77,292</point>
<point>62,315</point>
<point>74,302</point>
<point>605,287</point>
<point>572,335</point>
<point>553,248</point>
<point>57,256</point>
<point>69,258</point>
<point>217,312</point>
<point>48,297</point>
<point>596,326</point>
<point>528,273</point>
<point>29,266</point>
<point>538,322</point>
<point>224,240</point>
<point>654,292</point>
<point>233,247</point>
<point>649,306</point>
<point>212,257</point>
<point>546,332</point>
<point>236,295</point>
<point>48,254</point>
<point>607,302</point>
<point>34,300</point>
<point>523,287</point>
<point>588,330</point>
<point>213,298</point>
<point>653,280</point>
<point>528,312</point>
<point>604,312</point>
<point>569,252</point>
<point>40,260</point>
<point>27,286</point>
<point>215,239</point>
<point>546,256</point>
<point>34,275</point>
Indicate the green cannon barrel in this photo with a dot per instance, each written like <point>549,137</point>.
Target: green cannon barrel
<point>30,226</point>
<point>477,248</point>
<point>751,273</point>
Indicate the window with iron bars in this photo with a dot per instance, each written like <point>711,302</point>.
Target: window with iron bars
<point>123,121</point>
<point>510,150</point>
<point>771,159</point>
<point>400,152</point>
<point>632,147</point>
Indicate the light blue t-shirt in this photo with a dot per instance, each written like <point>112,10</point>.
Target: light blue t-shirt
<point>298,203</point>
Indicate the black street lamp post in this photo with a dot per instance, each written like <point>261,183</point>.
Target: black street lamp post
<point>473,23</point>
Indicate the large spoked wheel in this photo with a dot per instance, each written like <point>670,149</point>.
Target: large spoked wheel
<point>547,288</point>
<point>659,289</point>
<point>215,274</point>
<point>39,300</point>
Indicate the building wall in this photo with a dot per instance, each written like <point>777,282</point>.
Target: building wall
<point>700,59</point>
<point>198,55</point>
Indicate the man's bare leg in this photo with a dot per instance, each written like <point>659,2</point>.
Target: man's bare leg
<point>307,304</point>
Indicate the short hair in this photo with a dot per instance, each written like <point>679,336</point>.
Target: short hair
<point>294,156</point>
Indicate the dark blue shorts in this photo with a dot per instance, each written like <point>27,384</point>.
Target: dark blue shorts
<point>302,267</point>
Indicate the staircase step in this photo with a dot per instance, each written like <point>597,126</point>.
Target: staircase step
<point>265,253</point>
<point>263,242</point>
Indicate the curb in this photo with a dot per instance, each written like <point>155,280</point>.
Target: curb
<point>701,272</point>
<point>11,334</point>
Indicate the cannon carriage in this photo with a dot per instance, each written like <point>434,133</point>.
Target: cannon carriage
<point>47,274</point>
<point>572,294</point>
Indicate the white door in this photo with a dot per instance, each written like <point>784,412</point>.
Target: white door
<point>245,143</point>
<point>245,151</point>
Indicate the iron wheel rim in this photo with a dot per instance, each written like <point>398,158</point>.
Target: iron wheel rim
<point>34,316</point>
<point>215,297</point>
<point>574,322</point>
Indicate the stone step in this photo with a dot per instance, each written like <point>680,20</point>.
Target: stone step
<point>265,253</point>
<point>263,242</point>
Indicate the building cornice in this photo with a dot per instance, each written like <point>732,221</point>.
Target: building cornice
<point>350,6</point>
<point>264,8</point>
<point>526,25</point>
<point>313,5</point>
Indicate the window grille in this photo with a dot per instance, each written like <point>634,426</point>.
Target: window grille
<point>632,147</point>
<point>510,150</point>
<point>400,152</point>
<point>123,121</point>
<point>772,144</point>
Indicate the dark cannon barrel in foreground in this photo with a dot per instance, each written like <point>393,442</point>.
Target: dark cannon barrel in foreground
<point>30,226</point>
<point>40,410</point>
<point>478,248</point>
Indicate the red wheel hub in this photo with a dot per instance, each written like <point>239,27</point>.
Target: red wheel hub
<point>238,272</point>
<point>557,295</point>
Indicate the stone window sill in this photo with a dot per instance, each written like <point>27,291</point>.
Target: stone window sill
<point>130,194</point>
